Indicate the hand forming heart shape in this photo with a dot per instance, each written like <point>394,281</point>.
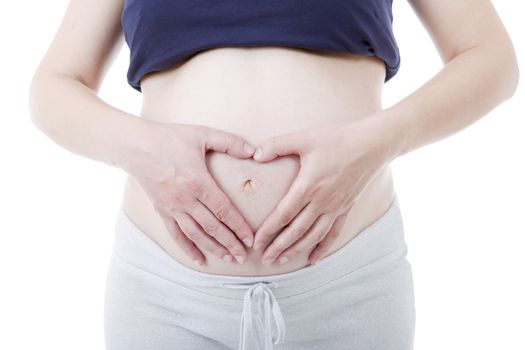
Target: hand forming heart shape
<point>337,163</point>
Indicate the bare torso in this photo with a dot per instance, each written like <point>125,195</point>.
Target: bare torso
<point>256,93</point>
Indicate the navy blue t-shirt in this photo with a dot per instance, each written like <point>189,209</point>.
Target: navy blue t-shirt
<point>162,33</point>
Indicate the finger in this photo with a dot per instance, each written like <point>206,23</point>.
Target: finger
<point>218,230</point>
<point>182,241</point>
<point>316,234</point>
<point>293,232</point>
<point>222,141</point>
<point>220,205</point>
<point>194,232</point>
<point>323,246</point>
<point>287,209</point>
<point>285,144</point>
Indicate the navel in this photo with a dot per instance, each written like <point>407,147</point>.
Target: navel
<point>248,184</point>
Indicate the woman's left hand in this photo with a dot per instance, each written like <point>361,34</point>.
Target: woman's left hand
<point>337,163</point>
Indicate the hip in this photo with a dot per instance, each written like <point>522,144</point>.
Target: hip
<point>363,293</point>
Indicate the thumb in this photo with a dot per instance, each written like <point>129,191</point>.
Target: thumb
<point>222,141</point>
<point>291,143</point>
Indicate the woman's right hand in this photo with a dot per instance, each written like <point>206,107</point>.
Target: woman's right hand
<point>169,164</point>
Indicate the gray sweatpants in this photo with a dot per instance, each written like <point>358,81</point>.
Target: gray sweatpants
<point>360,297</point>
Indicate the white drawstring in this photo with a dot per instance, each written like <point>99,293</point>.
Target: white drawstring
<point>256,324</point>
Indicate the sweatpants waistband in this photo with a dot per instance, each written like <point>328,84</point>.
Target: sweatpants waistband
<point>383,239</point>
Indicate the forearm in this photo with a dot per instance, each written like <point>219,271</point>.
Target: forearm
<point>74,117</point>
<point>467,88</point>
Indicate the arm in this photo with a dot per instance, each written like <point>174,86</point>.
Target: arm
<point>337,163</point>
<point>63,97</point>
<point>167,160</point>
<point>480,72</point>
<point>73,116</point>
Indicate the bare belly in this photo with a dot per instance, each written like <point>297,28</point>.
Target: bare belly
<point>257,93</point>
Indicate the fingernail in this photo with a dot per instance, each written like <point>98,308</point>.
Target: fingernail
<point>258,154</point>
<point>283,259</point>
<point>257,246</point>
<point>227,258</point>
<point>248,242</point>
<point>248,148</point>
<point>239,258</point>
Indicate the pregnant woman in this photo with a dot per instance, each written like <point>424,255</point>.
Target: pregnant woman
<point>259,210</point>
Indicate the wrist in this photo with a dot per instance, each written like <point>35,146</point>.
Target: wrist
<point>130,141</point>
<point>386,132</point>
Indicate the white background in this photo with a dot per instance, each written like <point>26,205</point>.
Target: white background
<point>462,200</point>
